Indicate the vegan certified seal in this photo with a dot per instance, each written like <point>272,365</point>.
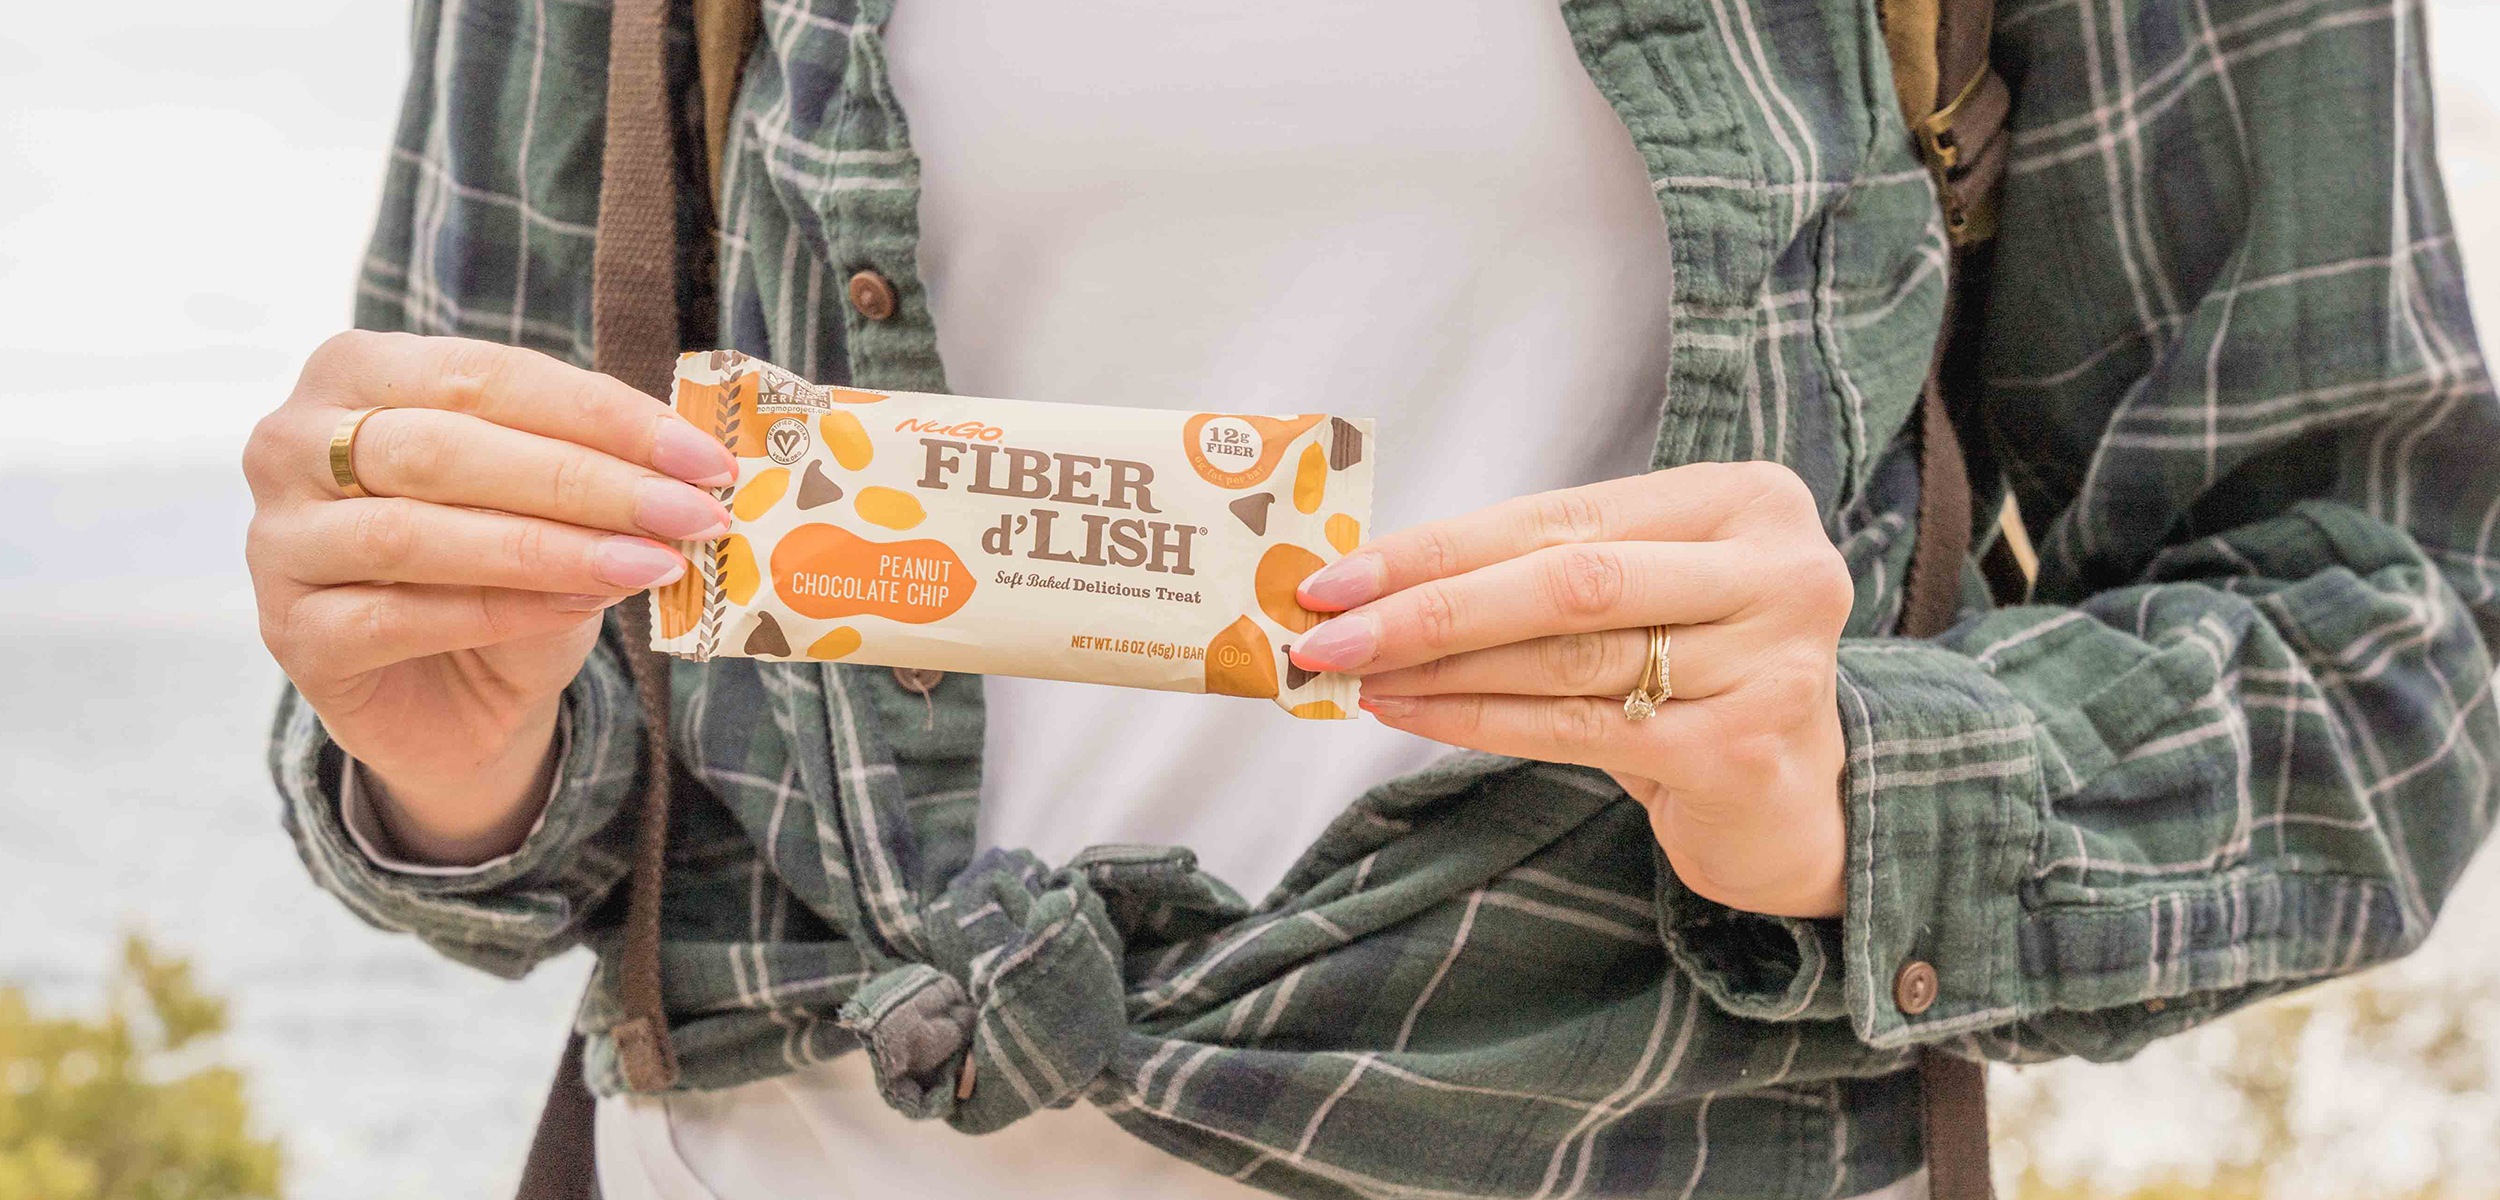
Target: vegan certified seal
<point>787,440</point>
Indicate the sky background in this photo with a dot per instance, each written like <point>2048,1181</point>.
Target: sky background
<point>194,214</point>
<point>185,192</point>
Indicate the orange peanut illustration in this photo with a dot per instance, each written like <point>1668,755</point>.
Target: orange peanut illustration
<point>842,640</point>
<point>888,507</point>
<point>1344,532</point>
<point>1280,571</point>
<point>760,494</point>
<point>1310,480</point>
<point>846,440</point>
<point>738,576</point>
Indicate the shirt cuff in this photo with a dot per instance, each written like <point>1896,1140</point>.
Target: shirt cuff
<point>1759,967</point>
<point>364,826</point>
<point>1940,792</point>
<point>511,912</point>
<point>1943,792</point>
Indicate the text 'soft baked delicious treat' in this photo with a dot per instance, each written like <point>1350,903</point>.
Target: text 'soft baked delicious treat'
<point>1140,547</point>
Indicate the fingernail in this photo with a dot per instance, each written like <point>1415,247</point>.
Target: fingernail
<point>1386,706</point>
<point>630,562</point>
<point>1343,584</point>
<point>583,602</point>
<point>673,510</point>
<point>681,450</point>
<point>1339,645</point>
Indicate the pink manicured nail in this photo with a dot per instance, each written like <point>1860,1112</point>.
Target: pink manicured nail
<point>630,562</point>
<point>1387,706</point>
<point>681,450</point>
<point>1343,584</point>
<point>1341,644</point>
<point>673,510</point>
<point>583,602</point>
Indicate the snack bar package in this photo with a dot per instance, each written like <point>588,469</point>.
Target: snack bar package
<point>1141,547</point>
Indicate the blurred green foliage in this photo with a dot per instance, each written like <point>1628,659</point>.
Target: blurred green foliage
<point>120,1106</point>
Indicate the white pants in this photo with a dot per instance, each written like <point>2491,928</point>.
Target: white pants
<point>823,1134</point>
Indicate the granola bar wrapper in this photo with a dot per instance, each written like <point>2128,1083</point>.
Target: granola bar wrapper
<point>1140,547</point>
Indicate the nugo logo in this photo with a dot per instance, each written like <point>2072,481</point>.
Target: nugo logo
<point>970,431</point>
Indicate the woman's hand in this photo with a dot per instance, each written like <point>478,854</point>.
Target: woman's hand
<point>1519,629</point>
<point>434,624</point>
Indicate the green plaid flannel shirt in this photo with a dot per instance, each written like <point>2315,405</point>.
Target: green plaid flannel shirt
<point>2241,738</point>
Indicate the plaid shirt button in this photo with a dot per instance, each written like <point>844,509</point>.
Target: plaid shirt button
<point>873,295</point>
<point>916,681</point>
<point>1914,989</point>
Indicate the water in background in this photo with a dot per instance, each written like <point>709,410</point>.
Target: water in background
<point>133,796</point>
<point>136,696</point>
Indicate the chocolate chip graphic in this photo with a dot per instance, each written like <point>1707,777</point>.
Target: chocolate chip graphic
<point>767,638</point>
<point>1345,444</point>
<point>815,488</point>
<point>1295,676</point>
<point>1253,511</point>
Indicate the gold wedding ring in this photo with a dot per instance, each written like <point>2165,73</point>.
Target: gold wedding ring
<point>1655,687</point>
<point>343,451</point>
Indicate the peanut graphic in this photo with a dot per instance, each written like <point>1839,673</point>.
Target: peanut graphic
<point>1280,571</point>
<point>738,576</point>
<point>841,641</point>
<point>846,440</point>
<point>890,508</point>
<point>1344,532</point>
<point>1310,480</point>
<point>760,494</point>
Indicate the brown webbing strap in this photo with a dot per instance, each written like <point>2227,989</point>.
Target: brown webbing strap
<point>724,31</point>
<point>1956,106</point>
<point>634,331</point>
<point>633,322</point>
<point>560,1165</point>
<point>1944,517</point>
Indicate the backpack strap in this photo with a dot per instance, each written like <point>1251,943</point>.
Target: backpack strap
<point>724,31</point>
<point>634,337</point>
<point>1955,105</point>
<point>634,332</point>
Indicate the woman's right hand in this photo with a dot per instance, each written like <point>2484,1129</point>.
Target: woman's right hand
<point>434,624</point>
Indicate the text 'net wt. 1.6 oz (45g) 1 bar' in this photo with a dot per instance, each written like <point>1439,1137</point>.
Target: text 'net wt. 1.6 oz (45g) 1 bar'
<point>1142,547</point>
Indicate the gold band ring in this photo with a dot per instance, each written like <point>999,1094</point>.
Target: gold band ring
<point>1655,686</point>
<point>343,451</point>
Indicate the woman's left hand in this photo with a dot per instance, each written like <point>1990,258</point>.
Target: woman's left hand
<point>1518,629</point>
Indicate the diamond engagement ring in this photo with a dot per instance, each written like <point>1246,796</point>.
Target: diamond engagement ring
<point>1654,687</point>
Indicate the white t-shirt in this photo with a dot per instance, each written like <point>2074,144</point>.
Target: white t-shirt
<point>1415,210</point>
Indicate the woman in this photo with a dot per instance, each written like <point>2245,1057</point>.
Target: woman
<point>1642,294</point>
